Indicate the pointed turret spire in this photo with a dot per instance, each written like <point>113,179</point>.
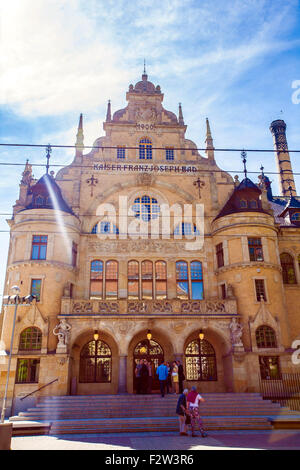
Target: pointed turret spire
<point>79,139</point>
<point>27,174</point>
<point>145,76</point>
<point>108,112</point>
<point>209,142</point>
<point>79,136</point>
<point>180,116</point>
<point>244,160</point>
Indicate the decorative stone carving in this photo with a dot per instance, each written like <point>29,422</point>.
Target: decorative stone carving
<point>178,327</point>
<point>215,306</point>
<point>137,307</point>
<point>161,307</point>
<point>191,307</point>
<point>145,114</point>
<point>145,179</point>
<point>83,307</point>
<point>236,331</point>
<point>62,331</point>
<point>108,307</point>
<point>150,307</point>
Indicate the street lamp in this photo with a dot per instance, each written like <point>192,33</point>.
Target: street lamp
<point>201,335</point>
<point>149,335</point>
<point>16,300</point>
<point>96,335</point>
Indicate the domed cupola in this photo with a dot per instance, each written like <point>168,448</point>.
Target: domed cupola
<point>46,194</point>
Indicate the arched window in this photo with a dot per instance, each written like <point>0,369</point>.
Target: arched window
<point>145,149</point>
<point>111,280</point>
<point>146,208</point>
<point>200,361</point>
<point>147,280</point>
<point>288,270</point>
<point>265,337</point>
<point>96,280</point>
<point>30,339</point>
<point>161,279</point>
<point>105,227</point>
<point>133,280</point>
<point>243,203</point>
<point>95,363</point>
<point>196,280</point>
<point>186,229</point>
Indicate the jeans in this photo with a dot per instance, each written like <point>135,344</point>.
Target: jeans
<point>162,384</point>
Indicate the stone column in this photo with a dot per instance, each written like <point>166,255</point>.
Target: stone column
<point>122,386</point>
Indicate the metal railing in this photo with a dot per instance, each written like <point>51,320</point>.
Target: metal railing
<point>46,385</point>
<point>284,390</point>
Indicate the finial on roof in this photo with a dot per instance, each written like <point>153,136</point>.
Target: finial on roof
<point>209,139</point>
<point>48,151</point>
<point>79,136</point>
<point>180,116</point>
<point>108,113</point>
<point>145,76</point>
<point>244,160</point>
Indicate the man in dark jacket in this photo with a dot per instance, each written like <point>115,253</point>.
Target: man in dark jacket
<point>181,410</point>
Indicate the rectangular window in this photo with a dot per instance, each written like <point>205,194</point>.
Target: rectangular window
<point>182,280</point>
<point>74,254</point>
<point>220,255</point>
<point>260,289</point>
<point>121,152</point>
<point>36,286</point>
<point>39,246</point>
<point>111,280</point>
<point>133,280</point>
<point>196,280</point>
<point>169,153</point>
<point>147,280</point>
<point>96,280</point>
<point>161,280</point>
<point>255,249</point>
<point>27,371</point>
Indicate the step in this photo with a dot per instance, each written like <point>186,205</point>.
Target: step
<point>152,424</point>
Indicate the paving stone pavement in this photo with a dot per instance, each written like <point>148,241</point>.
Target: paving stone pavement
<point>217,440</point>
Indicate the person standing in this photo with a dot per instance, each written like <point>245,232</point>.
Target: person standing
<point>144,376</point>
<point>193,400</point>
<point>175,377</point>
<point>181,376</point>
<point>162,372</point>
<point>169,379</point>
<point>182,411</point>
<point>149,365</point>
<point>138,377</point>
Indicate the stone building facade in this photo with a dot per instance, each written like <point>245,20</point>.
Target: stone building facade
<point>144,233</point>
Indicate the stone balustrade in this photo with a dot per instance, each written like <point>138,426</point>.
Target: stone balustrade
<point>212,307</point>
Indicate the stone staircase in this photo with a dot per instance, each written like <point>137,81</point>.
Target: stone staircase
<point>141,413</point>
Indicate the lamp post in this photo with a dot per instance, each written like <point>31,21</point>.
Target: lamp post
<point>12,300</point>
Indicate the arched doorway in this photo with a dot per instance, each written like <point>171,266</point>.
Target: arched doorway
<point>201,364</point>
<point>153,353</point>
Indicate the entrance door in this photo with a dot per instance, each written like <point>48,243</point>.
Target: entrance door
<point>153,352</point>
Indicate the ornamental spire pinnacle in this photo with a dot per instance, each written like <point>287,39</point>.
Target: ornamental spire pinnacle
<point>209,142</point>
<point>180,116</point>
<point>79,136</point>
<point>108,112</point>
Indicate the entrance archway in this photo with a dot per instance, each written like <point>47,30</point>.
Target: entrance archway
<point>153,353</point>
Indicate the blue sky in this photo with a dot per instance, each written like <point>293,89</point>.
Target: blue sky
<point>234,62</point>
